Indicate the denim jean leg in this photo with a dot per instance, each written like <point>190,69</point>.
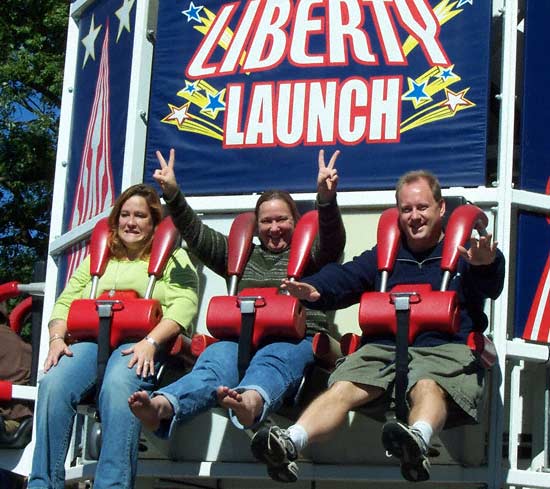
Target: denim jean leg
<point>276,371</point>
<point>59,392</point>
<point>117,465</point>
<point>195,392</point>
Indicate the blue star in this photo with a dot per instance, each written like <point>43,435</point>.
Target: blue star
<point>463,2</point>
<point>214,103</point>
<point>446,73</point>
<point>192,12</point>
<point>190,87</point>
<point>416,91</point>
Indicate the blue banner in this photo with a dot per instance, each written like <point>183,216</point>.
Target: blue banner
<point>247,92</point>
<point>535,143</point>
<point>98,132</point>
<point>532,313</point>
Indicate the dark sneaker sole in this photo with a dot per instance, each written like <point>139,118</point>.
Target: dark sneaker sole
<point>399,443</point>
<point>272,454</point>
<point>416,472</point>
<point>266,449</point>
<point>284,473</point>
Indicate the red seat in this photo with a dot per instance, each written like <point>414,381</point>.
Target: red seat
<point>429,309</point>
<point>133,316</point>
<point>19,314</point>
<point>277,315</point>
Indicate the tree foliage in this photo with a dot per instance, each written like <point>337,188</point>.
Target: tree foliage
<point>32,49</point>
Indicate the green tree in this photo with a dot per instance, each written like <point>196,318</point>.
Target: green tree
<point>32,49</point>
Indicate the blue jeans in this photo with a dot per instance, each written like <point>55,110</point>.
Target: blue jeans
<point>60,390</point>
<point>275,371</point>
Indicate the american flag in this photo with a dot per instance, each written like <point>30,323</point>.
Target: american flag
<point>95,186</point>
<point>537,326</point>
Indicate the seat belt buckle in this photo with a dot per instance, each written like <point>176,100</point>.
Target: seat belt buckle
<point>403,300</point>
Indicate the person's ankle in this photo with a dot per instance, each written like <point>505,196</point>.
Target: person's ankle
<point>164,408</point>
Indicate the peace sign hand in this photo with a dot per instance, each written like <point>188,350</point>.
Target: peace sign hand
<point>165,175</point>
<point>327,178</point>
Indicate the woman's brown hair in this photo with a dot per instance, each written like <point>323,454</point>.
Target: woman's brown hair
<point>278,195</point>
<point>116,246</point>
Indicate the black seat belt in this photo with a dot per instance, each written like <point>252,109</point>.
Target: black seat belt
<point>105,313</point>
<point>247,305</point>
<point>402,301</point>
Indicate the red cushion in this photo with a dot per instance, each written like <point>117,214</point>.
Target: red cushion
<point>200,342</point>
<point>349,343</point>
<point>277,316</point>
<point>429,311</point>
<point>19,313</point>
<point>5,390</point>
<point>133,318</point>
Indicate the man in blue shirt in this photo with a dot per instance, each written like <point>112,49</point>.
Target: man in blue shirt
<point>445,379</point>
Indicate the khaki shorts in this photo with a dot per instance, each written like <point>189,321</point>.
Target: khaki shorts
<point>453,366</point>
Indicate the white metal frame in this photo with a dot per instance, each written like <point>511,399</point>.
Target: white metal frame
<point>502,198</point>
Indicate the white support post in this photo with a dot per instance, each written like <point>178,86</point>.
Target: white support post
<point>61,171</point>
<point>503,230</point>
<point>138,96</point>
<point>516,407</point>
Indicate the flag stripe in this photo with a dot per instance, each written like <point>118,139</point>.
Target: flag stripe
<point>95,187</point>
<point>537,327</point>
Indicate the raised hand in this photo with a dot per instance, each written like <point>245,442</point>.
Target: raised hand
<point>482,251</point>
<point>165,175</point>
<point>327,178</point>
<point>300,290</point>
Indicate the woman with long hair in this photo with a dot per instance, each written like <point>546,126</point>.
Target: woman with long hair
<point>277,368</point>
<point>71,369</point>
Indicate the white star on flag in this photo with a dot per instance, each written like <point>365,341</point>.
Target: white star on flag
<point>123,14</point>
<point>89,41</point>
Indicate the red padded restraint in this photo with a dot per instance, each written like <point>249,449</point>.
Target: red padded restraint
<point>277,315</point>
<point>5,390</point>
<point>388,236</point>
<point>99,251</point>
<point>349,343</point>
<point>9,290</point>
<point>19,313</point>
<point>239,243</point>
<point>133,317</point>
<point>430,310</point>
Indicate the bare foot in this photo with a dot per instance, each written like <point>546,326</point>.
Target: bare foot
<point>150,411</point>
<point>246,405</point>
